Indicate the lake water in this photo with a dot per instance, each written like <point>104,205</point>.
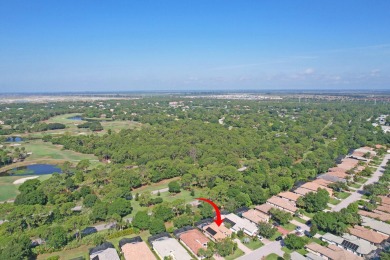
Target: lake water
<point>76,118</point>
<point>34,169</point>
<point>14,139</point>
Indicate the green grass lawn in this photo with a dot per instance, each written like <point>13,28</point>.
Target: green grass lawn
<point>8,190</point>
<point>236,255</point>
<point>333,201</point>
<point>253,244</point>
<point>343,195</point>
<point>310,215</point>
<point>300,220</point>
<point>355,185</point>
<point>68,254</point>
<point>289,226</point>
<point>273,257</point>
<point>277,233</point>
<point>302,251</point>
<point>285,249</point>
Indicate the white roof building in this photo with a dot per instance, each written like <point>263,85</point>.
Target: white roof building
<point>238,223</point>
<point>170,247</point>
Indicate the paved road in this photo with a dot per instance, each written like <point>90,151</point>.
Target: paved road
<point>241,246</point>
<point>105,226</point>
<point>273,247</point>
<point>355,196</point>
<point>299,224</point>
<point>161,191</point>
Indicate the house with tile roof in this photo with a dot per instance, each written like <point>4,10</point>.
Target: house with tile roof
<point>264,208</point>
<point>302,191</point>
<point>255,216</point>
<point>170,247</point>
<point>193,240</point>
<point>282,204</point>
<point>290,196</point>
<point>330,252</point>
<point>369,235</point>
<point>378,226</point>
<point>377,214</point>
<point>215,232</point>
<point>314,187</point>
<point>135,248</point>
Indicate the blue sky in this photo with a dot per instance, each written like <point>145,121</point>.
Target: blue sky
<point>95,45</point>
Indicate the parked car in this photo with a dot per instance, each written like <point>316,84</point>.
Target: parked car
<point>307,233</point>
<point>260,237</point>
<point>279,238</point>
<point>276,224</point>
<point>308,223</point>
<point>298,228</point>
<point>299,233</point>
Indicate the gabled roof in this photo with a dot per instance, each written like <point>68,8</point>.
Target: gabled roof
<point>376,225</point>
<point>255,216</point>
<point>240,223</point>
<point>265,208</point>
<point>217,232</point>
<point>302,191</point>
<point>136,250</point>
<point>170,247</point>
<point>194,239</point>
<point>333,252</point>
<point>375,214</point>
<point>282,203</point>
<point>351,242</point>
<point>101,247</point>
<point>367,234</point>
<point>314,187</point>
<point>289,195</point>
<point>323,182</point>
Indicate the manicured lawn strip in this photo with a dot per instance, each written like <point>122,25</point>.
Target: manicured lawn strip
<point>277,233</point>
<point>302,251</point>
<point>343,195</point>
<point>300,220</point>
<point>236,255</point>
<point>355,185</point>
<point>285,249</point>
<point>315,240</point>
<point>333,201</point>
<point>273,256</point>
<point>310,215</point>
<point>254,244</point>
<point>289,226</point>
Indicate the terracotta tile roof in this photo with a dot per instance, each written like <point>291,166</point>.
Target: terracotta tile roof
<point>383,216</point>
<point>333,252</point>
<point>282,203</point>
<point>195,240</point>
<point>221,232</point>
<point>358,153</point>
<point>137,251</point>
<point>289,195</point>
<point>348,164</point>
<point>255,216</point>
<point>302,191</point>
<point>338,174</point>
<point>384,208</point>
<point>385,200</point>
<point>322,182</point>
<point>314,187</point>
<point>367,234</point>
<point>379,146</point>
<point>265,208</point>
<point>336,169</point>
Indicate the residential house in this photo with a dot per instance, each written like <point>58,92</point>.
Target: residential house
<point>323,182</point>
<point>330,252</point>
<point>194,240</point>
<point>378,226</point>
<point>264,208</point>
<point>256,216</point>
<point>282,204</point>
<point>302,191</point>
<point>314,187</point>
<point>369,235</point>
<point>350,243</point>
<point>290,196</point>
<point>377,214</point>
<point>105,251</point>
<point>135,248</point>
<point>238,224</point>
<point>216,232</point>
<point>165,246</point>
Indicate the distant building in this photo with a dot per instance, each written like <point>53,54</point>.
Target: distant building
<point>376,225</point>
<point>256,216</point>
<point>238,224</point>
<point>194,240</point>
<point>369,235</point>
<point>331,252</point>
<point>282,204</point>
<point>105,251</point>
<point>350,243</point>
<point>166,246</point>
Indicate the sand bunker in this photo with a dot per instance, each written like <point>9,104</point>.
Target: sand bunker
<point>20,181</point>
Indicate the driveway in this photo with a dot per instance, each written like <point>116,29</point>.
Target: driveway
<point>273,247</point>
<point>356,195</point>
<point>241,246</point>
<point>299,224</point>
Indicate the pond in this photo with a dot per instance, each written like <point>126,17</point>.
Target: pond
<point>14,139</point>
<point>34,169</point>
<point>76,118</point>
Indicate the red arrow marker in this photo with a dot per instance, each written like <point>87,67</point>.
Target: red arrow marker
<point>219,220</point>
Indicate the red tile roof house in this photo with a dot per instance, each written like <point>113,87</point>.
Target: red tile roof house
<point>194,240</point>
<point>135,248</point>
<point>256,216</point>
<point>339,174</point>
<point>265,208</point>
<point>369,235</point>
<point>376,214</point>
<point>302,191</point>
<point>348,164</point>
<point>323,182</point>
<point>290,196</point>
<point>282,204</point>
<point>314,187</point>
